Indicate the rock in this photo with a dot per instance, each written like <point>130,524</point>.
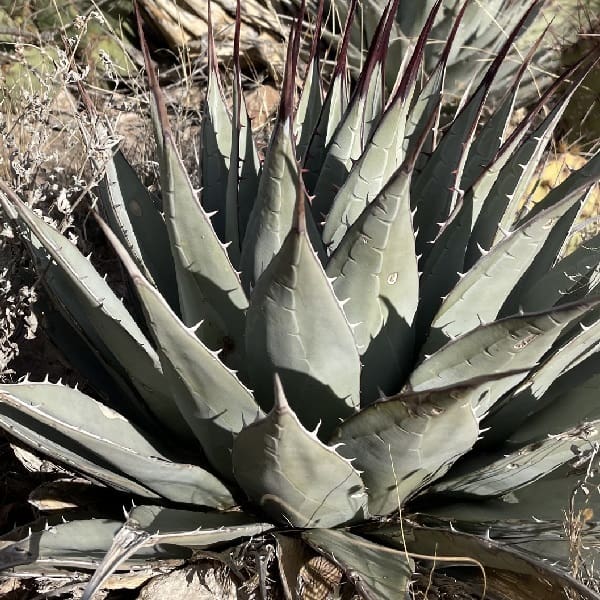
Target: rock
<point>202,581</point>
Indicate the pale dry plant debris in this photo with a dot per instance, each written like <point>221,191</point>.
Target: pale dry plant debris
<point>580,516</point>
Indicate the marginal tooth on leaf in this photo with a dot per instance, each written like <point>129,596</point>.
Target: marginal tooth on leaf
<point>194,328</point>
<point>481,250</point>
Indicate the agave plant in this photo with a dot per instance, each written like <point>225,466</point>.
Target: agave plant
<point>401,339</point>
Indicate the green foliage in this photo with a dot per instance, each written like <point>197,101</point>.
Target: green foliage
<point>372,355</point>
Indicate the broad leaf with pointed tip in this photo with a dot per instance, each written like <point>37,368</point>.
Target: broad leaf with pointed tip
<point>501,204</point>
<point>375,275</point>
<point>481,292</point>
<point>133,215</point>
<point>213,400</point>
<point>516,343</point>
<point>382,156</point>
<point>408,440</point>
<point>93,305</point>
<point>292,475</point>
<point>350,137</point>
<point>107,435</point>
<point>216,142</point>
<point>273,210</point>
<point>296,327</point>
<point>375,571</point>
<point>209,286</point>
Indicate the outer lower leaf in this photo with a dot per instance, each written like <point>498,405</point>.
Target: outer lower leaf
<point>375,571</point>
<point>544,580</point>
<point>544,398</point>
<point>134,216</point>
<point>520,520</point>
<point>546,540</point>
<point>88,296</point>
<point>406,441</point>
<point>292,475</point>
<point>109,385</point>
<point>501,473</point>
<point>376,277</point>
<point>210,396</point>
<point>65,451</point>
<point>578,405</point>
<point>107,434</point>
<point>480,293</point>
<point>192,528</point>
<point>75,545</point>
<point>154,526</point>
<point>296,327</point>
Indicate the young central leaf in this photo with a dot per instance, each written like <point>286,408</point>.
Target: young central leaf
<point>296,327</point>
